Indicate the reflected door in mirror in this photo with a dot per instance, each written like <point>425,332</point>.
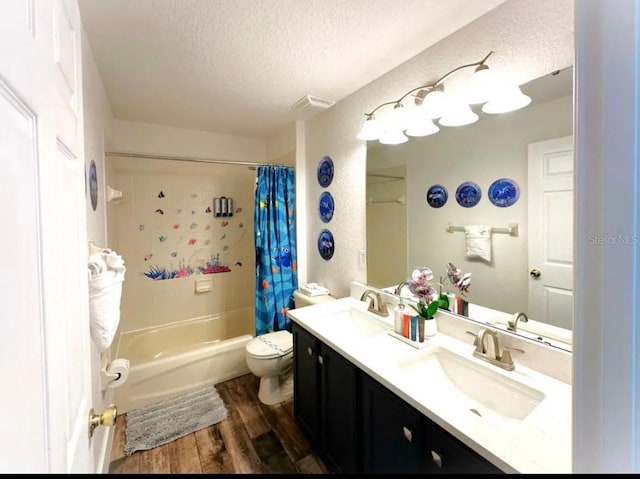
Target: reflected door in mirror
<point>551,231</point>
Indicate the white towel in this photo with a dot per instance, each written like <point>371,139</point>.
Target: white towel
<point>313,289</point>
<point>478,241</point>
<point>106,274</point>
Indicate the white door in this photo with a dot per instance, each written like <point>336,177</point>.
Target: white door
<point>551,232</point>
<point>45,353</point>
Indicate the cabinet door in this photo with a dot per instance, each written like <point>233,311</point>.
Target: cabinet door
<point>339,400</point>
<point>447,455</point>
<point>392,432</point>
<point>306,384</point>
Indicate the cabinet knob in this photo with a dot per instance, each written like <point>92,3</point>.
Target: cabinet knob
<point>310,351</point>
<point>320,359</point>
<point>406,432</point>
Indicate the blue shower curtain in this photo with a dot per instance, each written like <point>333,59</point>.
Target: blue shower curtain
<point>275,239</point>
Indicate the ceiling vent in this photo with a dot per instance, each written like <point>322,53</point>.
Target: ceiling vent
<point>309,101</point>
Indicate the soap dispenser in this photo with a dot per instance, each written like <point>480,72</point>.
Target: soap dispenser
<point>398,317</point>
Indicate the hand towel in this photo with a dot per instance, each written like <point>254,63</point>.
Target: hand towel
<point>106,274</point>
<point>478,238</point>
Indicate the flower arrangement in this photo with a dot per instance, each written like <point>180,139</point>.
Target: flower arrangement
<point>457,279</point>
<point>429,299</point>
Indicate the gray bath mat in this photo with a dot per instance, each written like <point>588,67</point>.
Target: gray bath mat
<point>160,423</point>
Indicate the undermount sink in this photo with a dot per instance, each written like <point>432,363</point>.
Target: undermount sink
<point>365,323</point>
<point>481,389</point>
<point>356,323</point>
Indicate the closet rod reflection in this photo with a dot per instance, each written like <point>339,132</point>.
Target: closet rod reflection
<point>185,158</point>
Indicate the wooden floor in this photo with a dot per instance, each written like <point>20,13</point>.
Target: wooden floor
<point>255,438</point>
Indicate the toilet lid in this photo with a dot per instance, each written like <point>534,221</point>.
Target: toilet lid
<point>271,345</point>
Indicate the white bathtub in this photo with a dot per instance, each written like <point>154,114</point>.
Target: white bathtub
<point>181,357</point>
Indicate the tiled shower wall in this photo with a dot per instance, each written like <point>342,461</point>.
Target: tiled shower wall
<point>165,229</point>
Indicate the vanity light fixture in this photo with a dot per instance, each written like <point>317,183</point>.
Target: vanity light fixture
<point>431,102</point>
<point>393,137</point>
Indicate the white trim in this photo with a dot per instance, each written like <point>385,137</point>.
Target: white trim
<point>606,395</point>
<point>301,202</point>
<point>104,458</point>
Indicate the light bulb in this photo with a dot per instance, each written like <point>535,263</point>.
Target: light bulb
<point>482,86</point>
<point>393,137</point>
<point>459,114</point>
<point>399,118</point>
<point>508,99</point>
<point>371,130</point>
<point>435,104</point>
<point>422,127</point>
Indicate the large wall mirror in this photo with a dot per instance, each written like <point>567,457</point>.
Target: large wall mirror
<point>531,271</point>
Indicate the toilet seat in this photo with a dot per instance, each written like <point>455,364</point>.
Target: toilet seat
<point>271,345</point>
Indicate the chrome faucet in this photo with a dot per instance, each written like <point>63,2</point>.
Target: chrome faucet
<point>498,358</point>
<point>513,322</point>
<point>398,290</point>
<point>376,306</point>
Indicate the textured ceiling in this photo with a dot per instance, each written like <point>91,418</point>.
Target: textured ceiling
<point>237,66</point>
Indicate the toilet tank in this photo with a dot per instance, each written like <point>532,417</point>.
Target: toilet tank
<point>300,299</point>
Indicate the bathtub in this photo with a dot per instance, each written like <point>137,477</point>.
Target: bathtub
<point>181,357</point>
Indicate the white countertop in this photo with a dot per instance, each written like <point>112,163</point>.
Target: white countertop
<point>539,443</point>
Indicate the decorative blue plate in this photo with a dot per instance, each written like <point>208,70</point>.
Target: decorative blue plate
<point>437,196</point>
<point>325,171</point>
<point>326,244</point>
<point>468,194</point>
<point>504,192</point>
<point>326,207</point>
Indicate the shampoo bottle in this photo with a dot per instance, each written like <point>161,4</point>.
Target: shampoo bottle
<point>414,328</point>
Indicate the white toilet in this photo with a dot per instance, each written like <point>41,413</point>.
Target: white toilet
<point>270,357</point>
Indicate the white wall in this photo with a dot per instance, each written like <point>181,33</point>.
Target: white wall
<point>137,137</point>
<point>493,147</point>
<point>529,39</point>
<point>97,131</point>
<point>281,146</point>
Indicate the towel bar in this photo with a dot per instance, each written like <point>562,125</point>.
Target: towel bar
<point>511,230</point>
<point>400,199</point>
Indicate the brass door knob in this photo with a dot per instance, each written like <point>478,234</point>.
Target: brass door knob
<point>107,418</point>
<point>535,273</point>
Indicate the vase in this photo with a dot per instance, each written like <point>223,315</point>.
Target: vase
<point>430,327</point>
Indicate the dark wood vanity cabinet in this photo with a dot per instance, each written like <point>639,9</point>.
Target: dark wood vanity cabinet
<point>306,384</point>
<point>392,431</point>
<point>325,400</point>
<point>359,425</point>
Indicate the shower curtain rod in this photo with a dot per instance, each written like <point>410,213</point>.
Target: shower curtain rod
<point>185,158</point>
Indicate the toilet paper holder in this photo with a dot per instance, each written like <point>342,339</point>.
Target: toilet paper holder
<point>115,372</point>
